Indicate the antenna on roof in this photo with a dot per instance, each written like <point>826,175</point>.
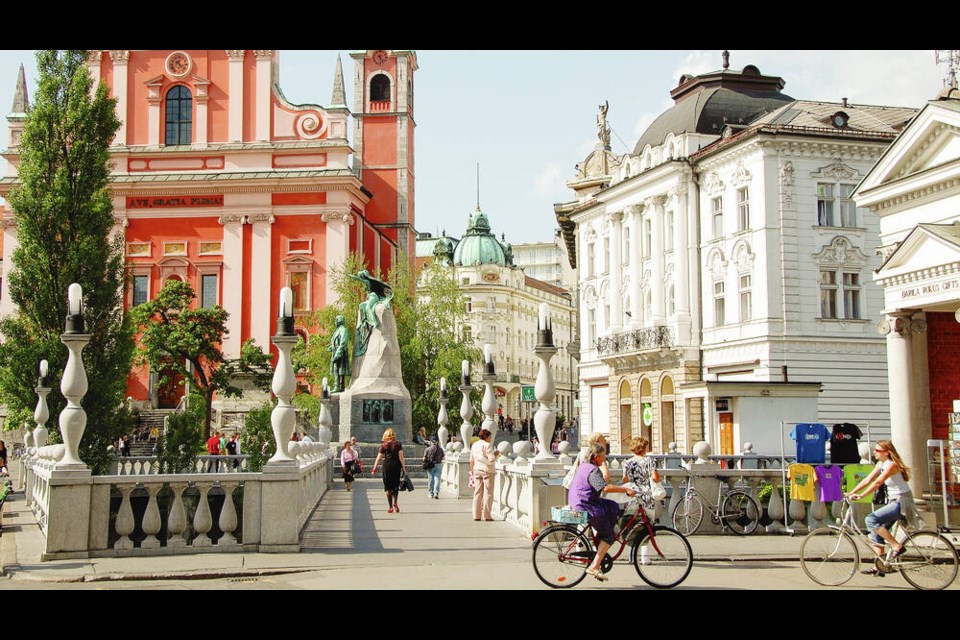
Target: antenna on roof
<point>950,58</point>
<point>478,186</point>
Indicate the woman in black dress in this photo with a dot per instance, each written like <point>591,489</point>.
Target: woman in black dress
<point>391,453</point>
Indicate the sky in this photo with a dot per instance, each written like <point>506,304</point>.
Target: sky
<point>528,117</point>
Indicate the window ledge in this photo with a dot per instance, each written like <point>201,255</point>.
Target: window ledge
<point>845,320</point>
<point>848,229</point>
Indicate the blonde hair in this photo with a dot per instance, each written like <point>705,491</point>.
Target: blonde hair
<point>596,438</point>
<point>389,434</point>
<point>639,446</point>
<point>887,446</point>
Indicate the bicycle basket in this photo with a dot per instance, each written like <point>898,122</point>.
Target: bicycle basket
<point>565,515</point>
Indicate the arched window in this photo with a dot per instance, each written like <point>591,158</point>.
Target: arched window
<point>380,88</point>
<point>179,117</point>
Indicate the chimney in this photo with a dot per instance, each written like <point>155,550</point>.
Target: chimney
<point>783,373</point>
<point>844,101</point>
<point>726,59</point>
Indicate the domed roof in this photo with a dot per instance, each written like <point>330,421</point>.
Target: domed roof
<point>704,104</point>
<point>478,245</point>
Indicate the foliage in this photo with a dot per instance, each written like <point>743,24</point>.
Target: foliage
<point>179,337</point>
<point>179,444</point>
<point>256,438</point>
<point>64,218</point>
<point>433,346</point>
<point>308,410</point>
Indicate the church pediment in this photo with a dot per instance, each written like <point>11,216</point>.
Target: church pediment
<point>928,246</point>
<point>931,140</point>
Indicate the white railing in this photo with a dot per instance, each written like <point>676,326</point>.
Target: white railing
<point>163,514</point>
<point>149,465</point>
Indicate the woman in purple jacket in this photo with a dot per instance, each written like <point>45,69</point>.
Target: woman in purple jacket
<point>585,495</point>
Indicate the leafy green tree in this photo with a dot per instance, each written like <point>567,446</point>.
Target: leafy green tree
<point>64,218</point>
<point>256,438</point>
<point>175,333</point>
<point>181,442</point>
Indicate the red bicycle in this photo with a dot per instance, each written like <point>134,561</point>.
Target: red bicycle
<point>563,551</point>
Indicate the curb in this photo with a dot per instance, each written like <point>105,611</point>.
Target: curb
<point>20,575</point>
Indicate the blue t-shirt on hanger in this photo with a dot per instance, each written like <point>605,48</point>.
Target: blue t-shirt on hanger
<point>811,439</point>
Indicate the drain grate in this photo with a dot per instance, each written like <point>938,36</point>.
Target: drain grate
<point>243,579</point>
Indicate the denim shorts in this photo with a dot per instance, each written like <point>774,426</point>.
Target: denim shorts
<point>885,515</point>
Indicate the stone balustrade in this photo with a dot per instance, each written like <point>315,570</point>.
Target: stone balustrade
<point>165,514</point>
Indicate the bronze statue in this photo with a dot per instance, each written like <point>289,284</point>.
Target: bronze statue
<point>340,360</point>
<point>377,292</point>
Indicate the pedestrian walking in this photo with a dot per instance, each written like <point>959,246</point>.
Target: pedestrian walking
<point>483,458</point>
<point>433,465</point>
<point>391,453</point>
<point>348,464</point>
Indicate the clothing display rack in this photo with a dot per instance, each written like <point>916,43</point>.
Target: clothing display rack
<point>783,465</point>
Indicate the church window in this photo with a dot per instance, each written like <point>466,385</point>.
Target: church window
<point>380,89</point>
<point>179,116</point>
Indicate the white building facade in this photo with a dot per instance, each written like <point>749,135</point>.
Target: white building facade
<point>724,271</point>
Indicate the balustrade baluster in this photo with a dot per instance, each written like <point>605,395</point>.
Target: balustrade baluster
<point>202,519</point>
<point>177,519</point>
<point>775,508</point>
<point>228,516</point>
<point>125,524</point>
<point>818,512</point>
<point>151,519</point>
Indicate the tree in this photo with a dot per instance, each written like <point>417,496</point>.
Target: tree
<point>434,345</point>
<point>174,334</point>
<point>64,217</point>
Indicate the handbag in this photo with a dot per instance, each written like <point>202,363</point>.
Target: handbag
<point>568,479</point>
<point>406,484</point>
<point>657,491</point>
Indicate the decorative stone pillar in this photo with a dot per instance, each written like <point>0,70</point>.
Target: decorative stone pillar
<point>616,273</point>
<point>545,390</point>
<point>263,92</point>
<point>261,246</point>
<point>775,507</point>
<point>73,386</point>
<point>325,428</point>
<point>489,402</point>
<point>235,89</point>
<point>466,414</point>
<point>42,413</point>
<point>232,281</point>
<point>818,513</point>
<point>284,416</point>
<point>443,434</point>
<point>120,70</point>
<point>338,223</point>
<point>798,513</point>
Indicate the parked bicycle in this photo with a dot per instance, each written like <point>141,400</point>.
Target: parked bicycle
<point>735,510</point>
<point>563,551</point>
<point>830,556</point>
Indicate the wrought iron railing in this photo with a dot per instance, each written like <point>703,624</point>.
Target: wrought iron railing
<point>636,340</point>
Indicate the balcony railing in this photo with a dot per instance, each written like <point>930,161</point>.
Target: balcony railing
<point>636,340</point>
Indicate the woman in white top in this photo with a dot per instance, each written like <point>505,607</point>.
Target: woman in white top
<point>348,463</point>
<point>483,458</point>
<point>892,472</point>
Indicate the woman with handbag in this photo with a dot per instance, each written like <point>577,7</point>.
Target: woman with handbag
<point>348,463</point>
<point>483,458</point>
<point>642,472</point>
<point>391,453</point>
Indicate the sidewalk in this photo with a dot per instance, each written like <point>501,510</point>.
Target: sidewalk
<point>348,530</point>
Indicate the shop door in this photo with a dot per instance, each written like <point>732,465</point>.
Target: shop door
<point>626,427</point>
<point>666,426</point>
<point>726,434</point>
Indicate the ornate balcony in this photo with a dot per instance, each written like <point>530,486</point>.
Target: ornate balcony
<point>636,340</point>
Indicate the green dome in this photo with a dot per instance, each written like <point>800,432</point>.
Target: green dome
<point>478,245</point>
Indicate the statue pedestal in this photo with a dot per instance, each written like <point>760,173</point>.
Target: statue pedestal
<point>376,399</point>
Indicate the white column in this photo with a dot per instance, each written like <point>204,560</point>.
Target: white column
<point>120,68</point>
<point>233,282</point>
<point>693,260</point>
<point>636,266</point>
<point>262,311</point>
<point>656,259</point>
<point>682,273</point>
<point>235,89</point>
<point>616,272</point>
<point>200,130</point>
<point>93,66</point>
<point>154,128</point>
<point>264,65</point>
<point>338,245</point>
<point>904,425</point>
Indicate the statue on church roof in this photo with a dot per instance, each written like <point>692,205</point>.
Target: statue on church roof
<point>603,131</point>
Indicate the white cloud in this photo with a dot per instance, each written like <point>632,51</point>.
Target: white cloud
<point>549,183</point>
<point>698,62</point>
<point>644,121</point>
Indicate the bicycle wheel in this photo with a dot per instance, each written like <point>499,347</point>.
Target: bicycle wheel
<point>688,514</point>
<point>664,559</point>
<point>740,512</point>
<point>561,555</point>
<point>829,556</point>
<point>930,561</point>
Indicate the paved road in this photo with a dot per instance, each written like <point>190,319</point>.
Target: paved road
<point>352,542</point>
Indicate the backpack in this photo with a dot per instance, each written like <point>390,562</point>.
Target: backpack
<point>428,456</point>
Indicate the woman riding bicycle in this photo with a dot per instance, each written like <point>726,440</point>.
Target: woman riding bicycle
<point>892,472</point>
<point>585,495</point>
